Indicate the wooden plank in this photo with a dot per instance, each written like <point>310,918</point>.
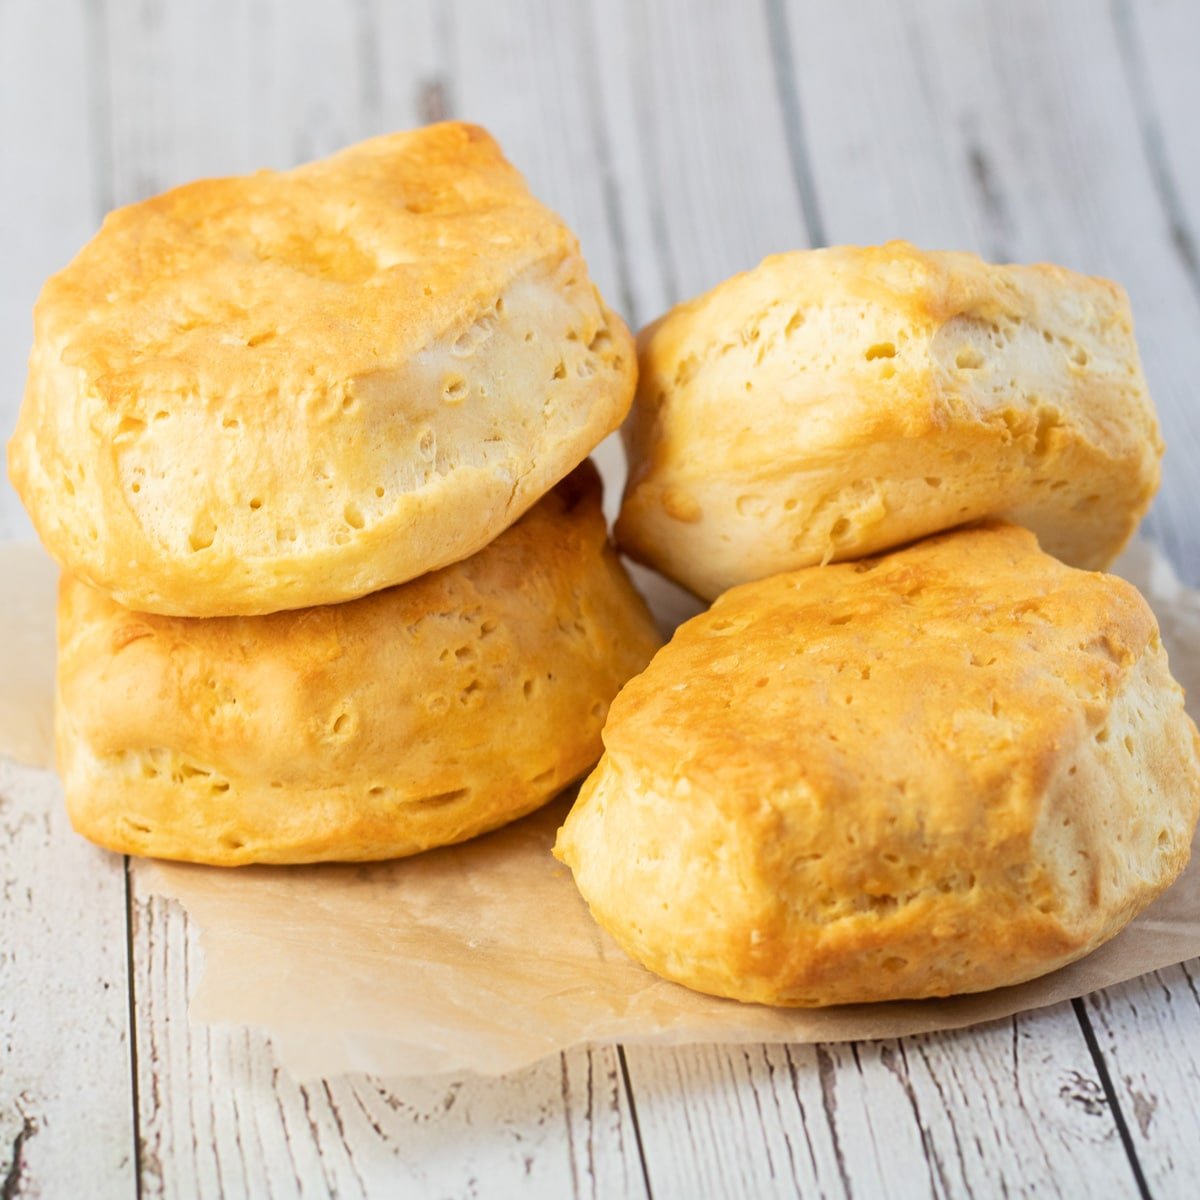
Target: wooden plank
<point>1011,1108</point>
<point>51,204</point>
<point>1157,41</point>
<point>66,1114</point>
<point>291,87</point>
<point>1010,130</point>
<point>652,77</point>
<point>218,1116</point>
<point>514,70</point>
<point>702,178</point>
<point>522,69</point>
<point>1149,1033</point>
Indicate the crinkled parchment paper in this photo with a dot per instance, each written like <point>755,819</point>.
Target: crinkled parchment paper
<point>483,957</point>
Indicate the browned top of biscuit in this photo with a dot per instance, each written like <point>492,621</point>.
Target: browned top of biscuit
<point>958,660</point>
<point>340,265</point>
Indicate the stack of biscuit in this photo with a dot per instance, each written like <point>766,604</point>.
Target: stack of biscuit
<point>310,448</point>
<point>883,767</point>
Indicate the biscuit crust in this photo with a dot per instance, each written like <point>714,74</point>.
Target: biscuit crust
<point>952,768</point>
<point>830,404</point>
<point>420,715</point>
<point>294,388</point>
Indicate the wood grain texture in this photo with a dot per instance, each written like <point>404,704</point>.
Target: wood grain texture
<point>66,1114</point>
<point>218,1116</point>
<point>509,71</point>
<point>697,142</point>
<point>523,69</point>
<point>1010,130</point>
<point>1149,1033</point>
<point>228,87</point>
<point>1157,40</point>
<point>1013,1108</point>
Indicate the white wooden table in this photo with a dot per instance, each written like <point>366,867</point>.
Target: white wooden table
<point>683,142</point>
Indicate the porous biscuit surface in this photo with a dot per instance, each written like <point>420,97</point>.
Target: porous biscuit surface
<point>834,403</point>
<point>293,388</point>
<point>948,769</point>
<point>414,717</point>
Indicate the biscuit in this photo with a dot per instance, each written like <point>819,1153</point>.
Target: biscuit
<point>290,389</point>
<point>420,715</point>
<point>949,769</point>
<point>831,404</point>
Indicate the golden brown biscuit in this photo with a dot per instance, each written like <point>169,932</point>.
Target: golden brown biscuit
<point>411,718</point>
<point>952,768</point>
<point>296,388</point>
<point>834,403</point>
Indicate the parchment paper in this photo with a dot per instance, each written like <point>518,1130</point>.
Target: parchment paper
<point>483,957</point>
<point>28,590</point>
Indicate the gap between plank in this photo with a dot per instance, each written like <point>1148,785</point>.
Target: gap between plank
<point>784,69</point>
<point>633,1115</point>
<point>1110,1094</point>
<point>445,107</point>
<point>130,988</point>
